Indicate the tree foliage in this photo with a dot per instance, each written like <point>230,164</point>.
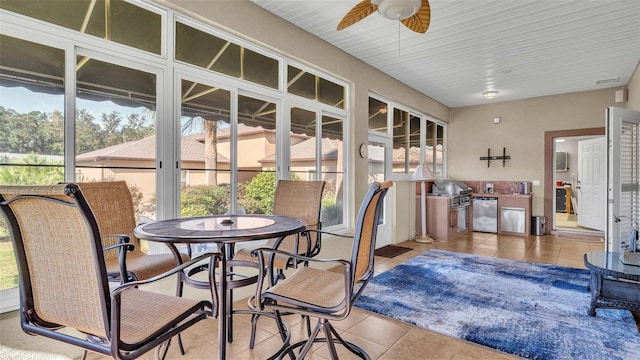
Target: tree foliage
<point>43,133</point>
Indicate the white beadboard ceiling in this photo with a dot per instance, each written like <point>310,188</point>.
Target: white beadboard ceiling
<point>520,48</point>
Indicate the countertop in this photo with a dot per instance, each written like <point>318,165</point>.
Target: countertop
<point>496,195</point>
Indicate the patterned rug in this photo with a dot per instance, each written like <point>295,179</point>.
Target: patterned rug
<point>535,311</point>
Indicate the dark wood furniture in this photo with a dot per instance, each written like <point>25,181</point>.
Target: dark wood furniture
<point>612,284</point>
<point>225,231</point>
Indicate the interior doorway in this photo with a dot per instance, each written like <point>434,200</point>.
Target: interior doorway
<point>561,189</point>
<point>580,179</point>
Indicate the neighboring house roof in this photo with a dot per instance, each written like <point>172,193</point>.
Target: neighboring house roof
<point>145,149</point>
<point>243,130</point>
<point>306,151</point>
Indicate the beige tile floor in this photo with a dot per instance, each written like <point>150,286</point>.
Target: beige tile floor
<point>381,337</point>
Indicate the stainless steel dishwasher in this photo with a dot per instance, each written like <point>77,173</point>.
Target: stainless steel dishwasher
<point>485,214</point>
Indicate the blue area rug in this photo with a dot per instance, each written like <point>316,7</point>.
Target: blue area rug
<point>535,311</point>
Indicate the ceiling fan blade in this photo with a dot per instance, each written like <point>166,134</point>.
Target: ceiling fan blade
<point>420,21</point>
<point>357,13</point>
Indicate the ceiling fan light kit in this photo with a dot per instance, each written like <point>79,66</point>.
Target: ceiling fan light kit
<point>414,14</point>
<point>489,94</point>
<point>397,9</point>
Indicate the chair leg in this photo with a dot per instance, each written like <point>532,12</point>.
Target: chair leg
<point>328,330</point>
<point>254,326</point>
<point>308,321</point>
<point>358,351</point>
<point>179,288</point>
<point>309,342</point>
<point>162,349</point>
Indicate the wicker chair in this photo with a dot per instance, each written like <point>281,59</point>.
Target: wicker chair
<point>64,282</point>
<point>112,205</point>
<point>326,294</point>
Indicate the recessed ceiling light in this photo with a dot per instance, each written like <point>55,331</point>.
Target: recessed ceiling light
<point>489,94</point>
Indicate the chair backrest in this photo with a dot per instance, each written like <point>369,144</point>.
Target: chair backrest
<point>301,199</point>
<point>366,232</point>
<point>112,205</point>
<point>59,254</point>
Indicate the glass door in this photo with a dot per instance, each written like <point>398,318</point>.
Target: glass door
<point>623,180</point>
<point>31,133</point>
<point>378,170</point>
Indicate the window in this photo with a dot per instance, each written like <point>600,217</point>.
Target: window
<point>113,20</point>
<point>115,128</point>
<point>332,171</point>
<point>408,129</point>
<point>310,86</point>
<point>213,53</point>
<point>31,139</point>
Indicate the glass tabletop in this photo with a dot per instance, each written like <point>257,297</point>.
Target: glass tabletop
<point>220,228</point>
<point>611,261</point>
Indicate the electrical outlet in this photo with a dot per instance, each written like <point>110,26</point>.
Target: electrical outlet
<point>536,182</point>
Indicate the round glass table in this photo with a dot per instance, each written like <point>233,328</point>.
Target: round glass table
<point>225,231</point>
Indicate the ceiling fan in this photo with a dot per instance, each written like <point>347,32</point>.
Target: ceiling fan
<point>414,14</point>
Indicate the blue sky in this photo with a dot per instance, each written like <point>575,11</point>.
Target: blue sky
<point>23,100</point>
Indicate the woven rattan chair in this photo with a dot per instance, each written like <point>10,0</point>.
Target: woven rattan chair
<point>326,294</point>
<point>112,205</point>
<point>64,282</point>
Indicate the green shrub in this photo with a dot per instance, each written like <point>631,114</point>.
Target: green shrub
<point>257,194</point>
<point>204,200</point>
<point>331,212</point>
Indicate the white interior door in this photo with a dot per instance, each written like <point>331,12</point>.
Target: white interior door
<point>623,178</point>
<point>378,170</point>
<point>591,187</point>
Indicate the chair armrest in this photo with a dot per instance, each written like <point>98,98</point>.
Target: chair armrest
<point>262,270</point>
<point>213,258</point>
<point>258,252</point>
<point>123,246</point>
<point>330,233</point>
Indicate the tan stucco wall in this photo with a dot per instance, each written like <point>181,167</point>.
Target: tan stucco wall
<point>521,132</point>
<point>251,22</point>
<point>633,88</point>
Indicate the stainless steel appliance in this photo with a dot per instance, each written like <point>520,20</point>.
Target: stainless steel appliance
<point>460,199</point>
<point>485,214</point>
<point>512,219</point>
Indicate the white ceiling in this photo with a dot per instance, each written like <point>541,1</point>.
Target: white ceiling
<point>521,48</point>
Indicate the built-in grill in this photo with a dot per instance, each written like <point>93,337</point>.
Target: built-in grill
<point>459,192</point>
